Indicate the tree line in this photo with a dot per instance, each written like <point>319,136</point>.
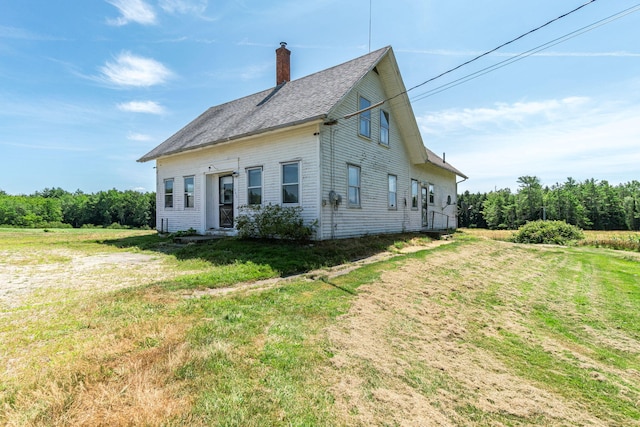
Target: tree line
<point>55,207</point>
<point>590,205</point>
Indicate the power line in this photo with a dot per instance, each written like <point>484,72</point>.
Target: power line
<point>496,48</point>
<point>528,53</point>
<point>564,15</point>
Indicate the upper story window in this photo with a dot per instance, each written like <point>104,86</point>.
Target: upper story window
<point>254,186</point>
<point>291,183</point>
<point>384,127</point>
<point>354,186</point>
<point>188,191</point>
<point>414,194</point>
<point>432,196</point>
<point>393,192</point>
<point>365,117</point>
<point>168,193</point>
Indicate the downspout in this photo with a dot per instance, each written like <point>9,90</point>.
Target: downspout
<point>332,153</point>
<point>320,154</point>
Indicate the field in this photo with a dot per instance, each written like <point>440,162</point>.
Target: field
<point>105,327</point>
<point>623,240</point>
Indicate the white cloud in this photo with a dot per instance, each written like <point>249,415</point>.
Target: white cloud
<point>133,11</point>
<point>134,136</point>
<point>184,6</point>
<point>501,114</point>
<point>22,34</point>
<point>50,146</point>
<point>132,70</point>
<point>150,107</point>
<point>615,54</point>
<point>552,139</point>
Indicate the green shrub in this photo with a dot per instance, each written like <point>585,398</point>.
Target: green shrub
<point>273,222</point>
<point>550,232</point>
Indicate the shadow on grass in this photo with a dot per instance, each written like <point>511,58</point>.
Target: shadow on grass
<point>285,257</point>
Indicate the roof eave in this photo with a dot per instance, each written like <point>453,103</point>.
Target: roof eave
<point>447,167</point>
<point>309,120</point>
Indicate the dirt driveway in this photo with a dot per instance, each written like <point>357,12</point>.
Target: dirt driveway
<point>53,272</point>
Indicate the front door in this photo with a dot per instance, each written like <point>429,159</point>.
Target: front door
<point>226,201</point>
<point>425,207</point>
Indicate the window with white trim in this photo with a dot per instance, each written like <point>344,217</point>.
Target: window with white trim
<point>290,183</point>
<point>384,127</point>
<point>432,196</point>
<point>365,117</point>
<point>189,184</point>
<point>393,192</point>
<point>168,193</point>
<point>354,186</point>
<point>414,194</point>
<point>254,186</point>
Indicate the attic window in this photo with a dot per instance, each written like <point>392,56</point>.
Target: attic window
<point>384,127</point>
<point>365,118</point>
<point>375,70</point>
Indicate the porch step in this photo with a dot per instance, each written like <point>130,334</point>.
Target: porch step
<point>183,240</point>
<point>437,233</point>
<point>221,232</point>
<point>209,235</point>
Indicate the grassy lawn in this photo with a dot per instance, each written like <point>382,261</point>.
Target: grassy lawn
<point>475,332</point>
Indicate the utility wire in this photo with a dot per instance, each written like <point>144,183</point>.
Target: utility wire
<point>496,48</point>
<point>564,15</point>
<point>528,53</point>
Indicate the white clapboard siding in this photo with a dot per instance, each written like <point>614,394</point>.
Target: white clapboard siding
<point>268,151</point>
<point>341,146</point>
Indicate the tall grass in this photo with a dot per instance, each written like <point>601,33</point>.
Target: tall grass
<point>619,240</point>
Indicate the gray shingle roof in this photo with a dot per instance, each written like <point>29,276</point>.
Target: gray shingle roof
<point>438,161</point>
<point>298,101</point>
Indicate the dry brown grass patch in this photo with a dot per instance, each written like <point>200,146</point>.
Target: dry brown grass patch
<point>115,382</point>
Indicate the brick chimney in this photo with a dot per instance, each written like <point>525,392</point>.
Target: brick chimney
<point>283,64</point>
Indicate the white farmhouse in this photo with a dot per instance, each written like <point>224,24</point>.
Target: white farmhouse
<point>342,143</point>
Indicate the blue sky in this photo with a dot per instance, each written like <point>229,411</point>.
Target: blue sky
<point>88,87</point>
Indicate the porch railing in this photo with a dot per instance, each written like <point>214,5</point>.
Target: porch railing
<point>445,220</point>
